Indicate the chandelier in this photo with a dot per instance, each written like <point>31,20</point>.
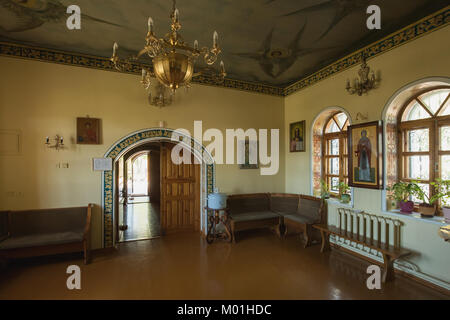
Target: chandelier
<point>365,82</point>
<point>173,59</point>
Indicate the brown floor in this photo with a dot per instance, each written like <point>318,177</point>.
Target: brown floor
<point>183,266</point>
<point>142,220</point>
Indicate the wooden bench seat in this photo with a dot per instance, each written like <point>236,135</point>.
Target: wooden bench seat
<point>389,252</point>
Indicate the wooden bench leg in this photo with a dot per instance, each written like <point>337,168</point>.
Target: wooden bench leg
<point>86,252</point>
<point>325,241</point>
<point>388,272</point>
<point>278,230</point>
<point>233,234</point>
<point>307,235</point>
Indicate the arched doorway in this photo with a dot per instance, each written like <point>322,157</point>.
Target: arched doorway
<point>110,188</point>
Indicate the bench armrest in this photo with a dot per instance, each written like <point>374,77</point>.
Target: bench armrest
<point>87,228</point>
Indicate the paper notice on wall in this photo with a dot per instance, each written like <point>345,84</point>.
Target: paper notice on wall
<point>102,164</point>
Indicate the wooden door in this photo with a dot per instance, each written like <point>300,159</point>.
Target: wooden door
<point>180,194</point>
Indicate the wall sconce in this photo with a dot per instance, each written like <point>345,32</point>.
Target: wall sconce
<point>59,142</point>
<point>365,82</point>
<point>161,123</point>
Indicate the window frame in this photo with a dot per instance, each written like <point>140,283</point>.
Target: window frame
<point>342,155</point>
<point>433,124</point>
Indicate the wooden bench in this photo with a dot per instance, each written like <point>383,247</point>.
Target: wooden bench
<point>367,230</point>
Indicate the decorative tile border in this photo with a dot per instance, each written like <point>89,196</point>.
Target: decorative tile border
<point>136,138</point>
<point>424,26</point>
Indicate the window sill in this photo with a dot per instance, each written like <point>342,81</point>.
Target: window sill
<point>395,213</point>
<point>440,221</point>
<point>337,202</point>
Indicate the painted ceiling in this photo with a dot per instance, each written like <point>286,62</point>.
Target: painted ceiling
<point>275,42</point>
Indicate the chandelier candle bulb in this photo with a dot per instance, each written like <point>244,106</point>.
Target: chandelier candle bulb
<point>115,47</point>
<point>222,67</point>
<point>150,25</point>
<point>176,15</point>
<point>196,45</point>
<point>215,39</point>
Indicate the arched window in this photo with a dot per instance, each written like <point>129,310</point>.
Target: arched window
<point>424,138</point>
<point>335,151</point>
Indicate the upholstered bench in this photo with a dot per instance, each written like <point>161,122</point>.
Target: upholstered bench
<point>251,211</point>
<point>278,211</point>
<point>310,211</point>
<point>45,232</point>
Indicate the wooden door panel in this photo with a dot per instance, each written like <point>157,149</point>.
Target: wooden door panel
<point>180,194</point>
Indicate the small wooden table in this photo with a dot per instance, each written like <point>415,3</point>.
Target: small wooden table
<point>214,219</point>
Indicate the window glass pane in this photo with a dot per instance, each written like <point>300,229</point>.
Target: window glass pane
<point>333,166</point>
<point>414,112</point>
<point>417,140</point>
<point>434,99</point>
<point>418,167</point>
<point>333,147</point>
<point>444,138</point>
<point>445,167</point>
<point>334,185</point>
<point>341,118</point>
<point>425,188</point>
<point>332,127</point>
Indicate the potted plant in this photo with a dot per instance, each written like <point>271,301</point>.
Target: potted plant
<point>324,190</point>
<point>401,191</point>
<point>427,208</point>
<point>343,189</point>
<point>442,188</point>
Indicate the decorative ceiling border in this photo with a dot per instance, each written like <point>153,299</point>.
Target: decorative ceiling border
<point>424,26</point>
<point>22,51</point>
<point>420,28</point>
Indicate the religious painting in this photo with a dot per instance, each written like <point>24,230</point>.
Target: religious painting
<point>249,158</point>
<point>88,131</point>
<point>297,136</point>
<point>365,158</point>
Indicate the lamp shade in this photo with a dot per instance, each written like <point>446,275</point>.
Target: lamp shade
<point>173,69</point>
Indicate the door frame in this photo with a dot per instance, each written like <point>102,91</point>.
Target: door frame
<point>125,144</point>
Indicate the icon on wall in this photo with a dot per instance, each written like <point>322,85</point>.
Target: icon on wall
<point>365,155</point>
<point>297,136</point>
<point>88,131</point>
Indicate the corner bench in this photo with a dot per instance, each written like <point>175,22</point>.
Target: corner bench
<point>277,211</point>
<point>389,252</point>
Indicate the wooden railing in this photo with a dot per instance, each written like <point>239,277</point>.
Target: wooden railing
<point>368,228</point>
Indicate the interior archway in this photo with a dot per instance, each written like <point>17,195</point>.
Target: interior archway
<point>136,139</point>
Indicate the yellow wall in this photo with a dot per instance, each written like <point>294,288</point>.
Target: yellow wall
<point>43,99</point>
<point>421,58</point>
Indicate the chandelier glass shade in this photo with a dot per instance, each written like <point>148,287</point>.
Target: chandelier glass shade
<point>173,59</point>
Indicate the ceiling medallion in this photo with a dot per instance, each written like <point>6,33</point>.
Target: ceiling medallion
<point>364,83</point>
<point>173,59</point>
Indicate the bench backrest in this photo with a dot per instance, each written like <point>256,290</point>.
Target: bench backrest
<point>312,207</point>
<point>3,224</point>
<point>48,221</point>
<point>241,203</point>
<point>284,202</point>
